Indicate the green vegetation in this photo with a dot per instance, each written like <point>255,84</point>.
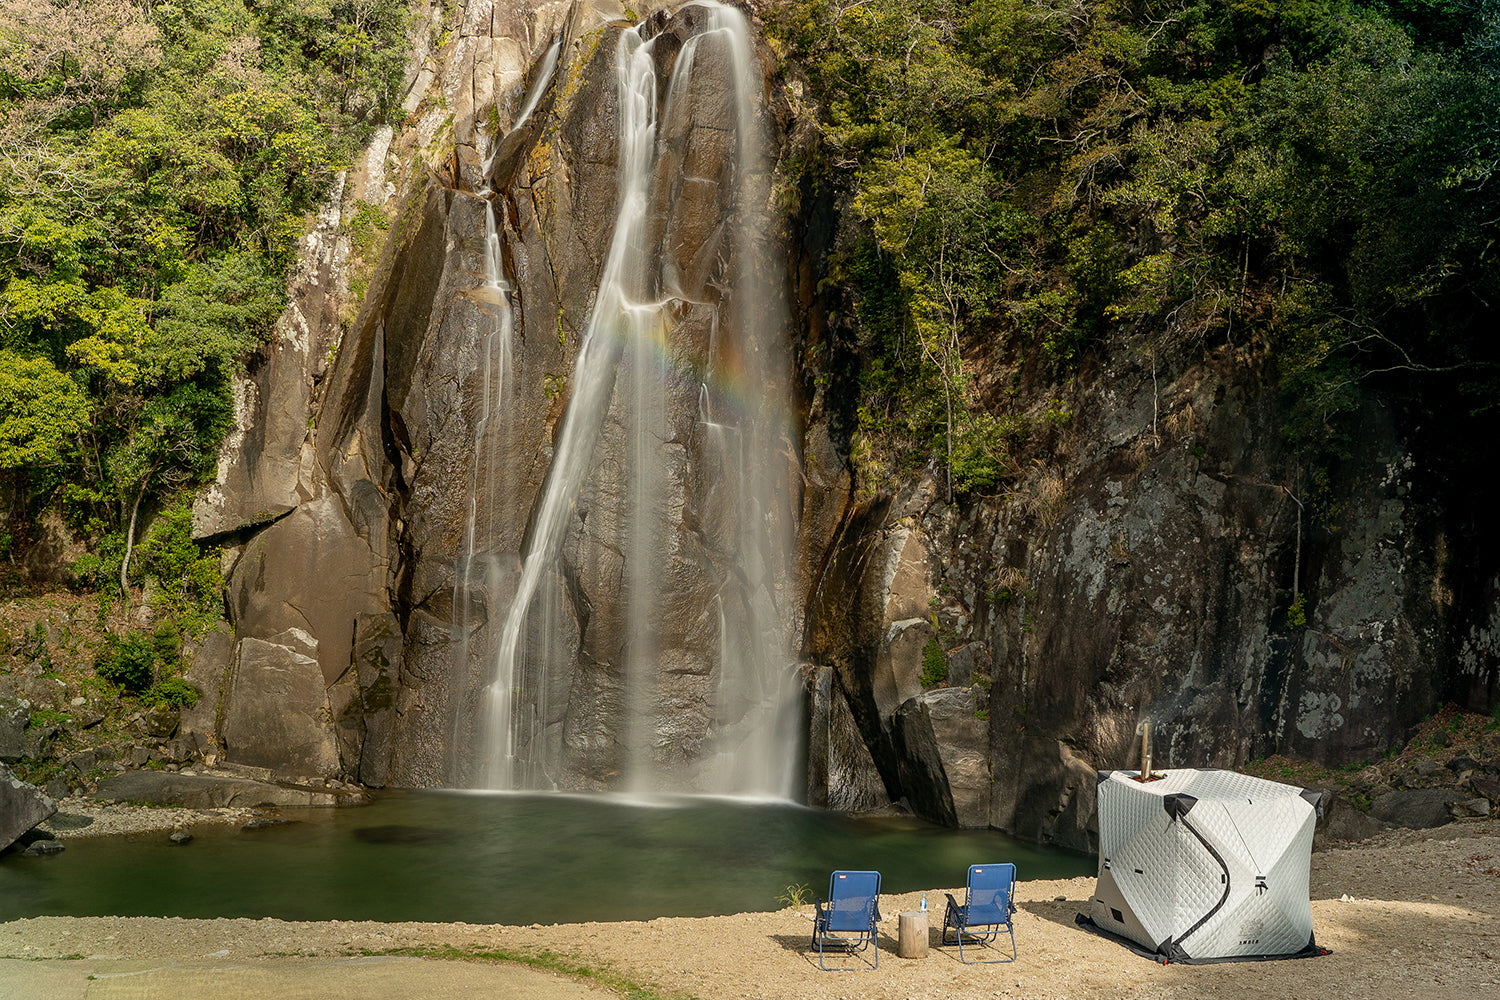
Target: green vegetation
<point>43,717</point>
<point>127,662</point>
<point>160,163</point>
<point>146,665</point>
<point>189,582</point>
<point>1296,614</point>
<point>547,961</point>
<point>796,894</point>
<point>1309,182</point>
<point>173,691</point>
<point>934,665</point>
<point>367,234</point>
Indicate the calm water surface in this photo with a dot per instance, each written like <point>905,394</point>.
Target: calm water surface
<point>504,859</point>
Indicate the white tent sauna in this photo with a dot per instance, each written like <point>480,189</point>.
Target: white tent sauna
<point>1205,865</point>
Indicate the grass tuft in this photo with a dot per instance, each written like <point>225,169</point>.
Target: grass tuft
<point>548,961</point>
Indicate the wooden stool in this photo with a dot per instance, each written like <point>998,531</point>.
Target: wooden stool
<point>911,941</point>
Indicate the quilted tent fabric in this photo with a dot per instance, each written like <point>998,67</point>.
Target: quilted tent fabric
<point>1205,865</point>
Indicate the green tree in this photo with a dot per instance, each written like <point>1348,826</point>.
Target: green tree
<point>1027,178</point>
<point>158,163</point>
<point>41,410</point>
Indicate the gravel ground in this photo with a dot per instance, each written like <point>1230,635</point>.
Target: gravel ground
<point>85,817</point>
<point>1407,914</point>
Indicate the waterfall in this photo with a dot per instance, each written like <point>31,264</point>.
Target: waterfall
<point>539,86</point>
<point>492,480</point>
<point>737,476</point>
<point>533,98</point>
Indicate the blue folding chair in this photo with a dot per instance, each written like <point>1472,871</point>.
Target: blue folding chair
<point>847,921</point>
<point>988,905</point>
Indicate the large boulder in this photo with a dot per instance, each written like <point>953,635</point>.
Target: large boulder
<point>841,774</point>
<point>277,713</point>
<point>219,791</point>
<point>22,806</point>
<point>314,570</point>
<point>13,724</point>
<point>208,672</point>
<point>960,733</point>
<point>364,698</point>
<point>1342,821</point>
<point>898,666</point>
<point>1418,808</point>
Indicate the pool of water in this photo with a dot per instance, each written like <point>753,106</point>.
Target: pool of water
<point>511,859</point>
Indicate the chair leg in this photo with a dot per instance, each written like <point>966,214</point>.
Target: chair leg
<point>985,940</point>
<point>852,946</point>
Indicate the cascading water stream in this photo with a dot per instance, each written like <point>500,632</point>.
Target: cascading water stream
<point>757,684</point>
<point>593,381</point>
<point>533,97</point>
<point>539,87</point>
<point>626,336</point>
<point>493,482</point>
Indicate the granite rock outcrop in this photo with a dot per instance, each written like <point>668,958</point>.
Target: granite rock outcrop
<point>977,659</point>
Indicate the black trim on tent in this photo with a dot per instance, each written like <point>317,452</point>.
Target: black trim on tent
<point>1087,923</point>
<point>1315,799</point>
<point>1178,804</point>
<point>1177,945</point>
<point>1311,950</point>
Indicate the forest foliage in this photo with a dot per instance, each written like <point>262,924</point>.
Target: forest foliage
<point>1029,176</point>
<point>158,164</point>
<point>1026,177</point>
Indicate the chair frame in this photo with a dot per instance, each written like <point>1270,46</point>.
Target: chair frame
<point>957,918</point>
<point>859,932</point>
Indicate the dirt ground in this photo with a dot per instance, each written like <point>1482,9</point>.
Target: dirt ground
<point>1407,914</point>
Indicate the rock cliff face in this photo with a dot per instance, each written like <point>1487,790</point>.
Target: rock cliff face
<point>422,481</point>
<point>1162,567</point>
<point>979,660</point>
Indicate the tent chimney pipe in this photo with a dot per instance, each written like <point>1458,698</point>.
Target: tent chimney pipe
<point>1146,751</point>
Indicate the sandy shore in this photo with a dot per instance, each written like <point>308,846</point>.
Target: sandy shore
<point>1411,913</point>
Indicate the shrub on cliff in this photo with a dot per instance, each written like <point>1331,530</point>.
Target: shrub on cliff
<point>126,661</point>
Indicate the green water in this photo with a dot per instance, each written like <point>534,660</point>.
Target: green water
<point>504,859</point>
